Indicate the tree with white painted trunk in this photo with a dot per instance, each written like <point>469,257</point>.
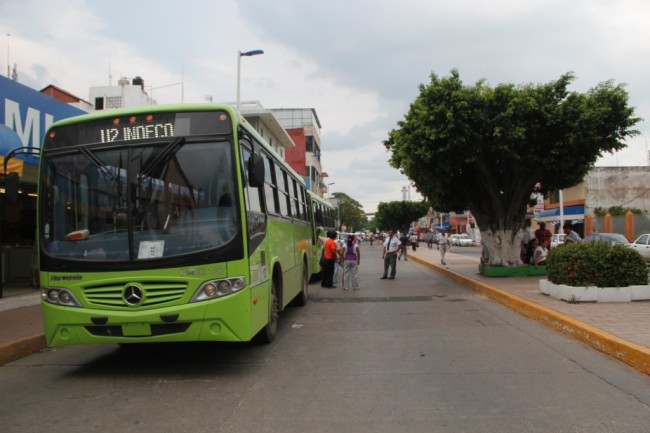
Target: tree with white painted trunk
<point>487,149</point>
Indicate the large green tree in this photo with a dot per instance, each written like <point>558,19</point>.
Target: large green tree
<point>398,215</point>
<point>486,149</point>
<point>350,212</point>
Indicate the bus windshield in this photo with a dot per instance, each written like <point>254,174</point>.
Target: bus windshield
<point>124,202</point>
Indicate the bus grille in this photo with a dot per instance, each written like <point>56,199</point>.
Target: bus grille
<point>156,293</point>
<point>156,329</point>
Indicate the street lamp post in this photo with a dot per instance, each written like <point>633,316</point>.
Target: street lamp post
<point>239,56</point>
<point>328,188</point>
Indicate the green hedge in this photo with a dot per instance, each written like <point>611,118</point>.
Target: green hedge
<point>599,264</point>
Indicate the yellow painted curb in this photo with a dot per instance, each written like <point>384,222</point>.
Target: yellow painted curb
<point>21,348</point>
<point>633,354</point>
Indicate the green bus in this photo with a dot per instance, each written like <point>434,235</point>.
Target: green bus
<point>324,219</point>
<point>167,224</point>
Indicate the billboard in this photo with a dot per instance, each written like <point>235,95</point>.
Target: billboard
<point>25,115</point>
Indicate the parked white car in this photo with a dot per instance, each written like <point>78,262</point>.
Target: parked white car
<point>464,241</point>
<point>557,239</point>
<point>642,245</point>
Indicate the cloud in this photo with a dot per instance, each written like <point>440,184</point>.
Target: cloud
<point>358,64</point>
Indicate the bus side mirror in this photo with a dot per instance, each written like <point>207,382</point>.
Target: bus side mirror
<point>11,187</point>
<point>256,171</point>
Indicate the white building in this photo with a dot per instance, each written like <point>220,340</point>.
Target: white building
<point>127,93</point>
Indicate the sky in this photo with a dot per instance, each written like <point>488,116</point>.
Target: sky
<point>358,63</point>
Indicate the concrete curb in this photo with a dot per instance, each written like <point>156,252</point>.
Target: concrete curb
<point>21,348</point>
<point>635,355</point>
<point>20,301</point>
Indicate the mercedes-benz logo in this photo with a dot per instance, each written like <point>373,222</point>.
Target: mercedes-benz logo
<point>133,294</point>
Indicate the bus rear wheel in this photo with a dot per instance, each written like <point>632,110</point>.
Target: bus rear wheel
<point>268,333</point>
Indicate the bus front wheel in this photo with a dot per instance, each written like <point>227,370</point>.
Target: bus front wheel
<point>268,333</point>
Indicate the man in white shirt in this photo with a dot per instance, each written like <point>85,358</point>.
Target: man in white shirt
<point>392,245</point>
<point>444,245</point>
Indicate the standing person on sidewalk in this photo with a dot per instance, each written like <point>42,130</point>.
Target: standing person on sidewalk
<point>392,246</point>
<point>351,260</point>
<point>404,240</point>
<point>330,253</point>
<point>542,234</point>
<point>570,234</point>
<point>528,235</point>
<point>443,246</point>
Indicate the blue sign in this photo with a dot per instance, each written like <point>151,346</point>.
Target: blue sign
<point>26,114</point>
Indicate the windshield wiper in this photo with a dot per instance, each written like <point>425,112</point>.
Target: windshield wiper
<point>99,164</point>
<point>163,157</point>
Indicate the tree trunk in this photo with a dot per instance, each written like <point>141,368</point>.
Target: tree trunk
<point>503,247</point>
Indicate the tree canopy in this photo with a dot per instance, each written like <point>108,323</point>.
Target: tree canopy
<point>398,215</point>
<point>350,211</point>
<point>486,149</point>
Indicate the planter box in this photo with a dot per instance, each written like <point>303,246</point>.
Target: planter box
<point>544,287</point>
<point>516,271</point>
<point>594,294</point>
<point>639,293</point>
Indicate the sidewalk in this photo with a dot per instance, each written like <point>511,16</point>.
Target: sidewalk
<point>621,330</point>
<point>21,325</point>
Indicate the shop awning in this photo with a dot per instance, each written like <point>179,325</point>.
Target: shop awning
<point>443,226</point>
<point>576,212</point>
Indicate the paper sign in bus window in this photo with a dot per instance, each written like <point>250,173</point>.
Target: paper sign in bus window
<point>151,249</point>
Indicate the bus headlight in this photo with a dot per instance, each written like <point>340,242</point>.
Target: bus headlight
<point>217,288</point>
<point>59,296</point>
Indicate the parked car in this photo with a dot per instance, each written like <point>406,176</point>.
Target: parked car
<point>557,239</point>
<point>464,241</point>
<point>614,238</point>
<point>642,245</point>
<point>452,239</point>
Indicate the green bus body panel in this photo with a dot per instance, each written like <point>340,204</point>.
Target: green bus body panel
<point>235,317</point>
<point>167,292</point>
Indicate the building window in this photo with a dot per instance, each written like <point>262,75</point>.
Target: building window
<point>113,102</point>
<point>99,103</point>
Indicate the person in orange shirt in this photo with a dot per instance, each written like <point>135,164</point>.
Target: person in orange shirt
<point>331,252</point>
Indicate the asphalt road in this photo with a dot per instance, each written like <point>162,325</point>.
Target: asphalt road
<point>416,354</point>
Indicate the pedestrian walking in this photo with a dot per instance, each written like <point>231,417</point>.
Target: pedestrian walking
<point>414,241</point>
<point>443,246</point>
<point>430,240</point>
<point>351,260</point>
<point>404,241</point>
<point>392,246</point>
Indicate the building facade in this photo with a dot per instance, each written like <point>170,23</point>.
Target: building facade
<point>303,126</point>
<point>26,114</point>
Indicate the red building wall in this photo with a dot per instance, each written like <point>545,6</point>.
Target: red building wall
<point>296,156</point>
